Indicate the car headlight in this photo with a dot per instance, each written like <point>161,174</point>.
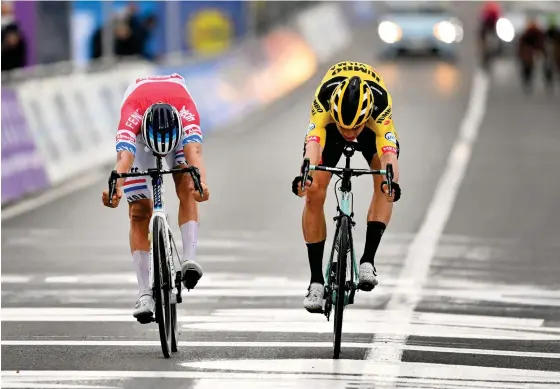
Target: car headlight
<point>445,32</point>
<point>459,33</point>
<point>505,30</point>
<point>389,32</point>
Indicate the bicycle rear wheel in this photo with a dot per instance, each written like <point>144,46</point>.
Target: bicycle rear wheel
<point>162,287</point>
<point>339,303</point>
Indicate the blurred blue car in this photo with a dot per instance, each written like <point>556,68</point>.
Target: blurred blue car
<point>419,27</point>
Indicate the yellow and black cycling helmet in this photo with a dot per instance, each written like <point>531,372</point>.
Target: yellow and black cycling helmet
<point>351,103</point>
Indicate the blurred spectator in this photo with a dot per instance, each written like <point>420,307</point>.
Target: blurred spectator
<point>489,44</point>
<point>489,15</point>
<point>531,46</point>
<point>143,35</point>
<point>131,34</point>
<point>13,42</point>
<point>124,44</point>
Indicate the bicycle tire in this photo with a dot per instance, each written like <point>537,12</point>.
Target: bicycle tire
<point>162,287</point>
<point>174,329</point>
<point>341,282</point>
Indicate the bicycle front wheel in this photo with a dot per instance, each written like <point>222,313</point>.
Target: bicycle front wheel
<point>162,287</point>
<point>343,242</point>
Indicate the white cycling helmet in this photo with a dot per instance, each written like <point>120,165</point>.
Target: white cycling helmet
<point>162,128</point>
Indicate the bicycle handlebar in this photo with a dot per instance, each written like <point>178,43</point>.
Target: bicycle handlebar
<point>192,170</point>
<point>307,167</point>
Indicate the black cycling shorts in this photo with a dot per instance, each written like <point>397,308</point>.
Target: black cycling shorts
<point>334,145</point>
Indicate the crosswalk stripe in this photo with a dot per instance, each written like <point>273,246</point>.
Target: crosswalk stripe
<point>311,369</point>
<point>361,345</point>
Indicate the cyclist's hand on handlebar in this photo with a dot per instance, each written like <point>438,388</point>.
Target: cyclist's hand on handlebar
<point>114,203</point>
<point>196,193</point>
<point>396,189</point>
<point>296,185</point>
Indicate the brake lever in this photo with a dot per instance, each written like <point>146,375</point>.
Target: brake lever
<point>304,173</point>
<point>389,176</point>
<point>112,185</point>
<point>195,175</point>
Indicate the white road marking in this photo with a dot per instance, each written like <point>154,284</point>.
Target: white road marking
<point>341,370</point>
<point>151,343</point>
<point>422,249</point>
<point>80,182</point>
<point>350,366</point>
<point>15,279</point>
<point>41,385</point>
<point>357,321</point>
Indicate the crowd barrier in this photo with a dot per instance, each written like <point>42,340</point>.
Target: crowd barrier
<point>55,128</point>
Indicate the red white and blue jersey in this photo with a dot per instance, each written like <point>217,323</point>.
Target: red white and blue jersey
<point>146,91</point>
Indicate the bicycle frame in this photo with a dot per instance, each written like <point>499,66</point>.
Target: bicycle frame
<point>159,212</point>
<point>345,209</point>
<point>345,206</point>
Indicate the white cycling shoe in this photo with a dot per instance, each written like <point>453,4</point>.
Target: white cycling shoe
<point>367,277</point>
<point>191,273</point>
<point>313,301</point>
<point>144,309</point>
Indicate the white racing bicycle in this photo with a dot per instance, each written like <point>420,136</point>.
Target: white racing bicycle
<point>164,258</point>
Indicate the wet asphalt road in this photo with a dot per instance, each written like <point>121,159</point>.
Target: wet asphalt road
<point>487,316</point>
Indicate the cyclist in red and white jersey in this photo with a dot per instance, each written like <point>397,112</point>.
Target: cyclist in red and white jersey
<point>158,115</point>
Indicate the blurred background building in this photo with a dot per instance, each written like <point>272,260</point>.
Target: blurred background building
<point>81,32</point>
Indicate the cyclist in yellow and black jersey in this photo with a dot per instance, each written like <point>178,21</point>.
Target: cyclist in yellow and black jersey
<point>352,103</point>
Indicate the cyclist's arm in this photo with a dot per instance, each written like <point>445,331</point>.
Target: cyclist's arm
<point>385,134</point>
<point>193,154</point>
<point>129,127</point>
<point>316,133</point>
<point>192,141</point>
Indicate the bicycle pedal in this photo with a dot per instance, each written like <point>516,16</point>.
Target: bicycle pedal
<point>366,287</point>
<point>145,319</point>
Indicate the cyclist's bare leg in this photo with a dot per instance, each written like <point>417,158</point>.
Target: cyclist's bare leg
<point>188,214</point>
<point>379,215</point>
<point>313,220</point>
<point>315,233</point>
<point>140,212</point>
<point>379,209</point>
<point>188,224</point>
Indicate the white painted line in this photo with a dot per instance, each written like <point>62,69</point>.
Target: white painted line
<point>227,281</point>
<point>332,367</point>
<point>422,249</point>
<point>150,343</point>
<point>15,279</point>
<point>75,184</point>
<point>81,375</point>
<point>280,369</point>
<point>42,385</point>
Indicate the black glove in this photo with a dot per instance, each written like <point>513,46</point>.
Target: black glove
<point>297,181</point>
<point>395,187</point>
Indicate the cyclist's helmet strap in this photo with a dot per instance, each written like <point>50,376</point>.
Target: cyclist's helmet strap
<point>352,103</point>
<point>161,128</point>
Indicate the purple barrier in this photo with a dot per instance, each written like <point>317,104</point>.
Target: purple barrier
<point>22,168</point>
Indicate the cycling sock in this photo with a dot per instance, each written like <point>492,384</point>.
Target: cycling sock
<point>189,234</point>
<point>374,233</point>
<point>141,262</point>
<point>315,254</point>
